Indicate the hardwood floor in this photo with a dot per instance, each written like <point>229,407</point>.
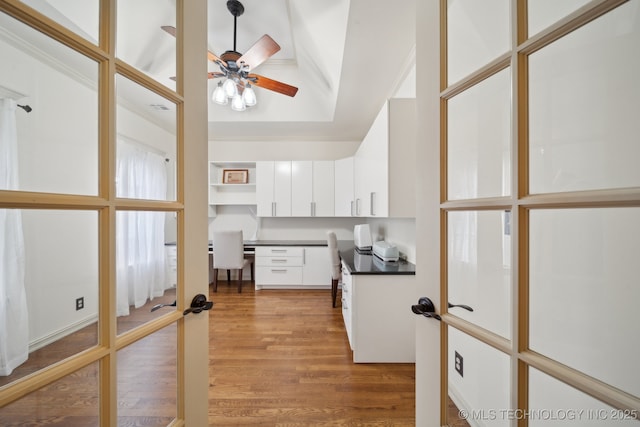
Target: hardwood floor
<point>282,358</point>
<point>277,358</point>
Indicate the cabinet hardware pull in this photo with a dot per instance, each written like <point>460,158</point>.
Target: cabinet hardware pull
<point>357,207</point>
<point>278,260</point>
<point>372,204</point>
<point>278,270</point>
<point>351,207</point>
<point>273,208</point>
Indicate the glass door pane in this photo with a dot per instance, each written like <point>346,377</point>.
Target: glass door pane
<point>80,16</point>
<point>542,13</point>
<point>145,261</point>
<point>479,270</point>
<point>147,380</point>
<point>478,381</point>
<point>73,401</point>
<point>554,403</point>
<point>583,94</point>
<point>56,129</point>
<point>477,33</point>
<point>146,143</point>
<point>50,282</point>
<point>584,291</point>
<point>479,140</point>
<point>143,43</point>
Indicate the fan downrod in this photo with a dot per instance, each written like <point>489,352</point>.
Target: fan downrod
<point>235,7</point>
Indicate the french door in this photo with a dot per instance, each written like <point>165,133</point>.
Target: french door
<point>103,240</point>
<point>531,113</point>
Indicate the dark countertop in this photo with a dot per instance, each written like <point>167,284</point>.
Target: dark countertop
<point>358,263</point>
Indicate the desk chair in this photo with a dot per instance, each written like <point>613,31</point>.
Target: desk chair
<point>228,254</point>
<point>335,264</point>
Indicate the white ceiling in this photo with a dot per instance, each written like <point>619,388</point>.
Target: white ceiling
<point>345,56</point>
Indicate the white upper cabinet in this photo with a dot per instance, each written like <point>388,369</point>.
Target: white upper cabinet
<point>295,188</point>
<point>273,188</point>
<point>323,188</point>
<point>343,187</point>
<point>302,188</point>
<point>385,164</point>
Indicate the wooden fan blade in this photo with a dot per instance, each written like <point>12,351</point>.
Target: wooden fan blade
<point>259,52</point>
<point>273,85</point>
<point>213,58</point>
<point>210,55</point>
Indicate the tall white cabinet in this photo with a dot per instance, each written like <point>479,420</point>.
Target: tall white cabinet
<point>383,167</point>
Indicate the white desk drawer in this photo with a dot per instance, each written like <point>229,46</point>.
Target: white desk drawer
<point>278,275</point>
<point>279,251</point>
<point>279,261</point>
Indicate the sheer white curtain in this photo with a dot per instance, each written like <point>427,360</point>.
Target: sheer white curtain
<point>140,254</point>
<point>14,329</point>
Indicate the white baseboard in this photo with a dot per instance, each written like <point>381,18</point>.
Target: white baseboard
<point>61,333</point>
<point>461,403</point>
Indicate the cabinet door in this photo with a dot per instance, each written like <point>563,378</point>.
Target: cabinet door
<point>379,165</point>
<point>372,169</point>
<point>282,189</point>
<point>302,188</point>
<point>265,188</point>
<point>315,268</point>
<point>323,188</point>
<point>343,187</point>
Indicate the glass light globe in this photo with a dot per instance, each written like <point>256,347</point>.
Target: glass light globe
<point>237,103</point>
<point>230,88</point>
<point>249,96</point>
<point>219,97</point>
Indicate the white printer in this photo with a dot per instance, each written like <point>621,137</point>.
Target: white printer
<point>362,238</point>
<point>386,251</point>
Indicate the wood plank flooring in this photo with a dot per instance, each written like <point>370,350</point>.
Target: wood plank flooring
<point>282,358</point>
<point>277,358</point>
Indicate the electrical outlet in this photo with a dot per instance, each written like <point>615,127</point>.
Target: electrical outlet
<point>79,303</point>
<point>459,363</point>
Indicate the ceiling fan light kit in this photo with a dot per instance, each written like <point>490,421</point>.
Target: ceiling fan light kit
<point>235,68</point>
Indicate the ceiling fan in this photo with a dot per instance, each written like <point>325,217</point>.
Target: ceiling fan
<point>236,67</point>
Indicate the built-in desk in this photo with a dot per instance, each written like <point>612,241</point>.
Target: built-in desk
<point>376,307</point>
<point>288,264</point>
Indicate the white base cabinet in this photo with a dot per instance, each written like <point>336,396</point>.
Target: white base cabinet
<point>171,257</point>
<point>377,315</point>
<point>292,267</point>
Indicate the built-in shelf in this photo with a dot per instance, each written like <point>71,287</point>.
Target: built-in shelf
<point>221,193</point>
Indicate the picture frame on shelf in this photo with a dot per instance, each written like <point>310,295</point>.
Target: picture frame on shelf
<point>235,176</point>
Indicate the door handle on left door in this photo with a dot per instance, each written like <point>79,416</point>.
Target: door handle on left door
<point>158,306</point>
<point>466,307</point>
<point>426,308</point>
<point>198,304</point>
